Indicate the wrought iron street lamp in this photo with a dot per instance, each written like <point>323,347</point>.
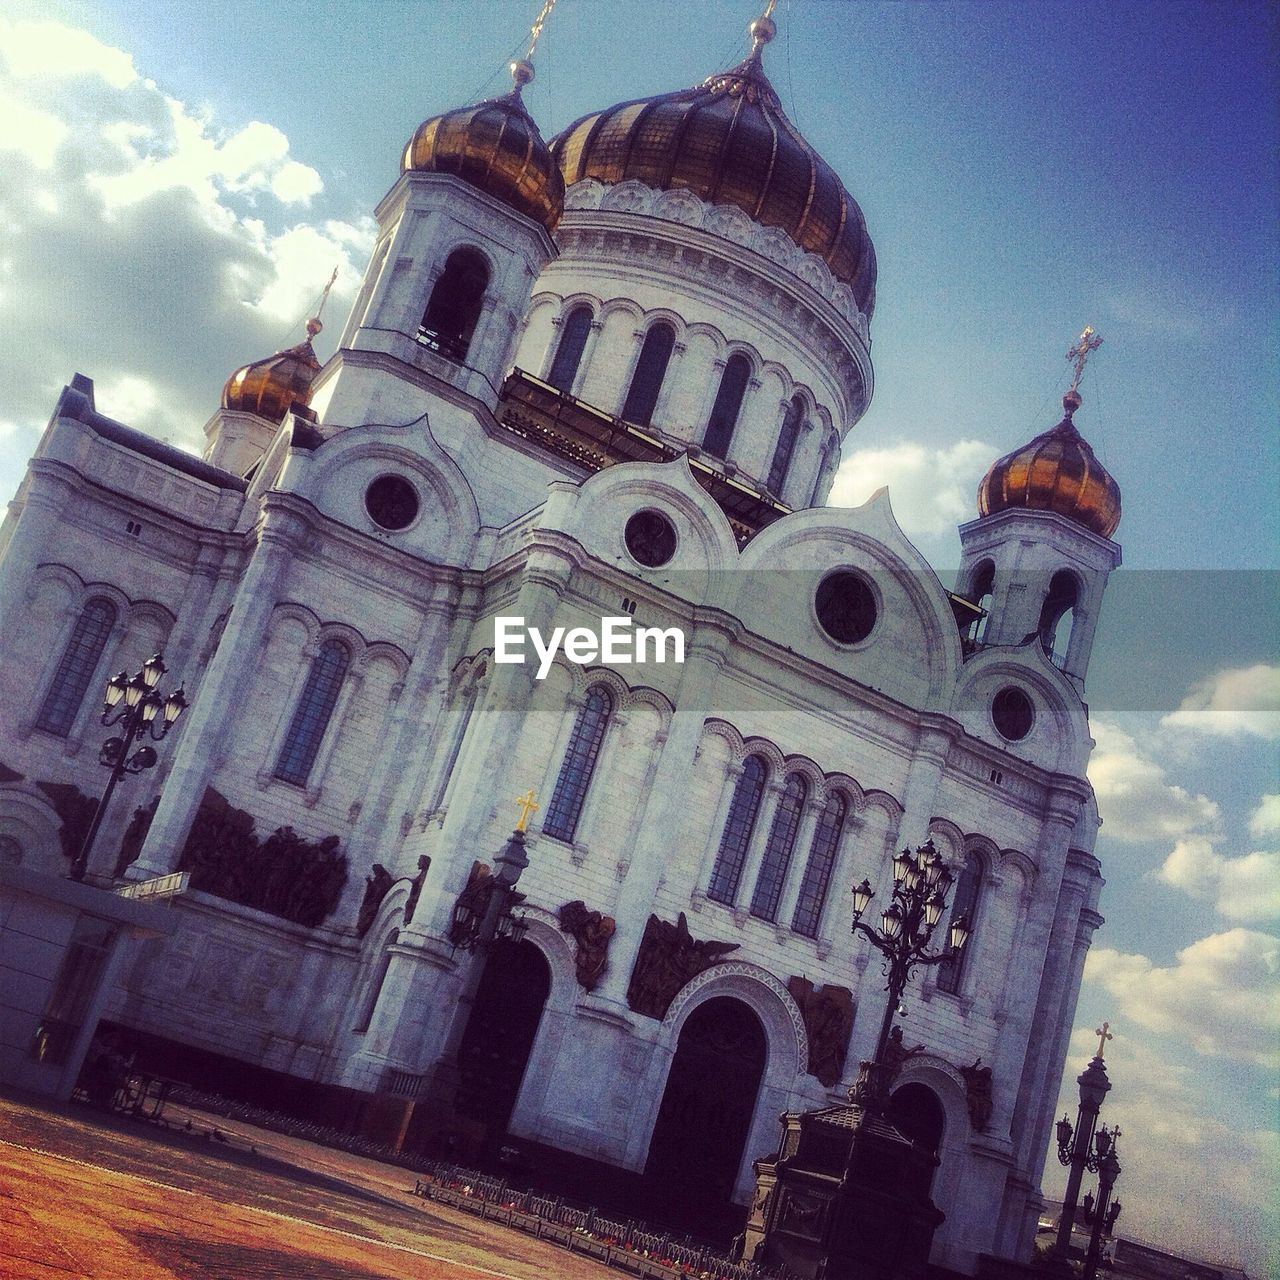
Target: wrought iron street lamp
<point>1079,1147</point>
<point>1104,1219</point>
<point>141,711</point>
<point>921,881</point>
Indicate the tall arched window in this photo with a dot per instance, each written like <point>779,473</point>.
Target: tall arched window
<point>1057,614</point>
<point>738,827</point>
<point>573,342</point>
<point>822,861</point>
<point>651,368</point>
<point>311,718</point>
<point>453,310</point>
<point>777,853</point>
<point>724,413</point>
<point>787,438</point>
<point>981,591</point>
<point>965,903</point>
<point>579,764</point>
<point>376,983</point>
<point>75,670</point>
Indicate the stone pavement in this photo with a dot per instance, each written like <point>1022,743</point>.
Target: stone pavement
<point>97,1197</point>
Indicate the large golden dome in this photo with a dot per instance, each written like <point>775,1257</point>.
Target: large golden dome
<point>495,147</point>
<point>1057,471</point>
<point>729,142</point>
<point>268,387</point>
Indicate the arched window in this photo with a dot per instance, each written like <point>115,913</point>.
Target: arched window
<point>311,718</point>
<point>651,368</point>
<point>579,764</point>
<point>816,492</point>
<point>724,413</point>
<point>453,310</point>
<point>737,831</point>
<point>965,903</point>
<point>822,861</point>
<point>777,853</point>
<point>573,342</point>
<point>787,438</point>
<point>1057,615</point>
<point>981,591</point>
<point>376,984</point>
<point>75,670</point>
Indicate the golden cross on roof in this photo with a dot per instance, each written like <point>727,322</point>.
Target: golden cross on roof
<point>527,805</point>
<point>1103,1032</point>
<point>535,31</point>
<point>1087,342</point>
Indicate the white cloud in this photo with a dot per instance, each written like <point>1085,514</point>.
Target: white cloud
<point>50,50</point>
<point>932,490</point>
<point>1135,798</point>
<point>1193,1177</point>
<point>1265,819</point>
<point>1244,888</point>
<point>26,129</point>
<point>1221,997</point>
<point>1242,702</point>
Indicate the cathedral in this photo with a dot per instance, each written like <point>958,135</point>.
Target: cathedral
<point>605,377</point>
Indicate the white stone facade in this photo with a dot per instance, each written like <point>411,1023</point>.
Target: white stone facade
<point>242,581</point>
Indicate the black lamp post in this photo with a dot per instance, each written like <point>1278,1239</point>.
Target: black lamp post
<point>1080,1147</point>
<point>141,711</point>
<point>1103,1221</point>
<point>921,882</point>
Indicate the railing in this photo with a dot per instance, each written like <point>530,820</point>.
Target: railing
<point>638,1248</point>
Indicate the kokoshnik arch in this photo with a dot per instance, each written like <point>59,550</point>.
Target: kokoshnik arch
<point>606,375</point>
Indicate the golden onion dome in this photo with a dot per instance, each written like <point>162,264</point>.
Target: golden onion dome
<point>495,147</point>
<point>268,387</point>
<point>1057,471</point>
<point>729,142</point>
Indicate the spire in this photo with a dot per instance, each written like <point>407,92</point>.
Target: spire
<point>522,68</point>
<point>314,325</point>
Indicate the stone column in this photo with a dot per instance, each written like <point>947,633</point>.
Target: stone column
<point>34,534</point>
<point>220,698</point>
<point>661,814</point>
<point>924,775</point>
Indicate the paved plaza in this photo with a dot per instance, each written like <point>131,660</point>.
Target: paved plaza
<point>88,1195</point>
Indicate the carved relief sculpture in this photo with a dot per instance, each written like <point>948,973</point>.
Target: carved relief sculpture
<point>415,889</point>
<point>76,811</point>
<point>592,932</point>
<point>977,1089</point>
<point>828,1021</point>
<point>667,959</point>
<point>135,835</point>
<point>377,885</point>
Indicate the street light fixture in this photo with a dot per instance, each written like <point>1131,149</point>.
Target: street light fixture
<point>133,703</point>
<point>1079,1146</point>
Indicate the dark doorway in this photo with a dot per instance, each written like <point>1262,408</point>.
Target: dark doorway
<point>914,1110</point>
<point>499,1036</point>
<point>708,1103</point>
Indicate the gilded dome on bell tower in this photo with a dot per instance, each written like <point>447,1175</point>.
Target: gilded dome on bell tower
<point>495,147</point>
<point>729,142</point>
<point>268,387</point>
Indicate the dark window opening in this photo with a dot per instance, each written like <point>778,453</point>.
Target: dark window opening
<point>724,413</point>
<point>573,342</point>
<point>736,838</point>
<point>787,438</point>
<point>1057,614</point>
<point>579,764</point>
<point>651,538</point>
<point>965,903</point>
<point>453,310</point>
<point>846,607</point>
<point>822,862</point>
<point>306,729</point>
<point>76,668</point>
<point>651,369</point>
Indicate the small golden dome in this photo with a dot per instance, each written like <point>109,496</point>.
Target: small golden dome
<point>1057,471</point>
<point>268,387</point>
<point>729,142</point>
<point>495,147</point>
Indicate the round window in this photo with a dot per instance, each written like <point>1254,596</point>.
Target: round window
<point>651,538</point>
<point>846,607</point>
<point>1012,714</point>
<point>392,502</point>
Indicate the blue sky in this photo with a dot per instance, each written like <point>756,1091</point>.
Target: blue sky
<point>177,181</point>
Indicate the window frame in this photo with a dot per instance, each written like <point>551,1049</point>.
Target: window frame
<point>779,849</point>
<point>312,691</point>
<point>76,664</point>
<point>819,869</point>
<point>578,765</point>
<point>720,421</point>
<point>739,828</point>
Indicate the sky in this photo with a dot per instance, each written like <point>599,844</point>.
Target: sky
<point>177,181</point>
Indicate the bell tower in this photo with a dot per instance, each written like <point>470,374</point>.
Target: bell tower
<point>463,235</point>
<point>1038,557</point>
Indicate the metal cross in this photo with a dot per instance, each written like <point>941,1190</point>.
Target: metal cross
<point>527,805</point>
<point>1103,1032</point>
<point>1088,341</point>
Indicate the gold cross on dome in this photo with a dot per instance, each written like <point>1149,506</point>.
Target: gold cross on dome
<point>1103,1032</point>
<point>527,805</point>
<point>1087,342</point>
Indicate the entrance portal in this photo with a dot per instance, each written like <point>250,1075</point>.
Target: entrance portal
<point>706,1110</point>
<point>500,1032</point>
<point>914,1110</point>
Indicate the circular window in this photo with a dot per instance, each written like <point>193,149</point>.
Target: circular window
<point>846,607</point>
<point>392,502</point>
<point>1012,714</point>
<point>651,538</point>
